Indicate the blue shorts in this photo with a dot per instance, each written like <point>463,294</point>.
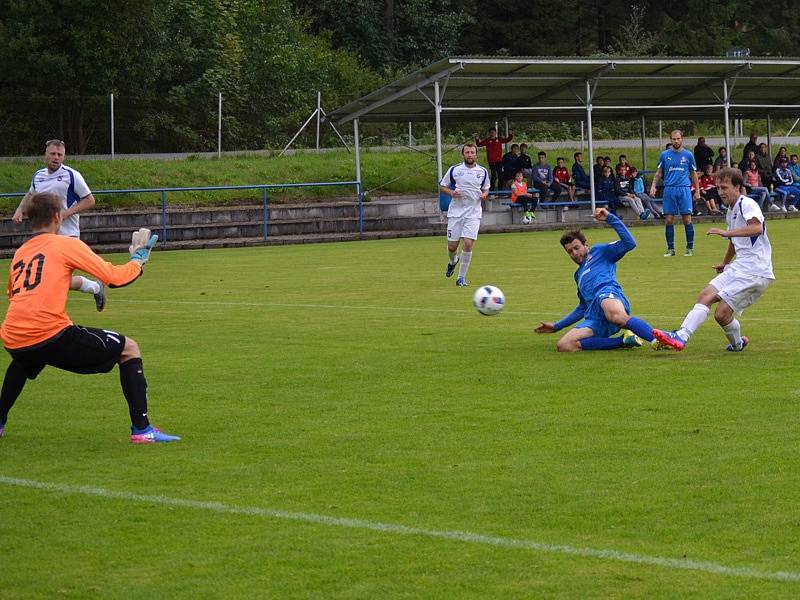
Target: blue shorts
<point>677,200</point>
<point>595,319</point>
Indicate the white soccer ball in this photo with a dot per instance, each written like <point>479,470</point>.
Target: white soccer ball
<point>527,220</point>
<point>489,300</point>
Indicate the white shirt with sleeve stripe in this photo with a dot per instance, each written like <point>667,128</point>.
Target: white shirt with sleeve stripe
<point>753,254</point>
<point>471,182</point>
<point>69,185</point>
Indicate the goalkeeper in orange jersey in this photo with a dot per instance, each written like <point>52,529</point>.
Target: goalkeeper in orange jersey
<point>37,332</point>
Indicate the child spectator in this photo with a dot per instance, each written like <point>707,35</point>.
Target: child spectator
<point>510,165</point>
<point>606,191</point>
<point>623,188</point>
<point>722,159</point>
<point>599,163</point>
<point>638,190</point>
<point>543,178</point>
<point>752,181</point>
<point>784,185</point>
<point>562,177</point>
<point>708,190</point>
<point>519,194</point>
<point>782,154</point>
<point>623,161</point>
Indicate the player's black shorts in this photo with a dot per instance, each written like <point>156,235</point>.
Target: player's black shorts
<point>77,349</point>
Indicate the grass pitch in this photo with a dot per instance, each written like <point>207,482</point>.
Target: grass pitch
<point>353,428</point>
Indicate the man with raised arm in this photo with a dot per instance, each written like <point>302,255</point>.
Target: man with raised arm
<point>37,332</point>
<point>602,306</point>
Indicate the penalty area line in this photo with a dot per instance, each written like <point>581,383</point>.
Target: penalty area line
<point>397,529</point>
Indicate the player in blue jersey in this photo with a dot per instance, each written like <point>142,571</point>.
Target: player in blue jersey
<point>601,303</point>
<point>676,167</point>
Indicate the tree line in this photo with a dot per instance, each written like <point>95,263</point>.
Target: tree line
<point>166,61</point>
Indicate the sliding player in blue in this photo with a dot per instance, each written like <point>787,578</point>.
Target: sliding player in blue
<point>601,304</point>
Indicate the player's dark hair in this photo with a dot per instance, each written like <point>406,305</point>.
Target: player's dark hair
<point>560,158</point>
<point>514,146</point>
<point>730,174</point>
<point>571,236</point>
<point>542,153</point>
<point>42,209</point>
<point>577,154</point>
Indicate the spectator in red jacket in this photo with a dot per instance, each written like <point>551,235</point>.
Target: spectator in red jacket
<point>562,176</point>
<point>494,155</point>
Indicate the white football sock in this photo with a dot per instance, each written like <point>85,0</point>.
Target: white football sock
<point>466,257</point>
<point>693,320</point>
<point>733,332</point>
<point>89,286</point>
<point>452,256</point>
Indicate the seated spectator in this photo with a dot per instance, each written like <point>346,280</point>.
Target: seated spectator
<point>598,168</point>
<point>623,188</point>
<point>519,194</point>
<point>623,160</point>
<point>751,145</point>
<point>794,167</point>
<point>607,162</point>
<point>638,189</point>
<point>722,159</point>
<point>510,165</point>
<point>606,189</point>
<point>543,179</point>
<point>563,178</point>
<point>708,190</point>
<point>784,186</point>
<point>764,164</point>
<point>703,154</point>
<point>782,153</point>
<point>752,181</point>
<point>578,174</point>
<point>525,162</point>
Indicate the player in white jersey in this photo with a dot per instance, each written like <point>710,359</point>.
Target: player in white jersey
<point>69,185</point>
<point>467,184</point>
<point>739,282</point>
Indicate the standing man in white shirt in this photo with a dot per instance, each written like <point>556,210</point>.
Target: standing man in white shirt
<point>466,183</point>
<point>739,283</point>
<point>69,185</point>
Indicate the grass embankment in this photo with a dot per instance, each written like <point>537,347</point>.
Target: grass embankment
<point>382,172</point>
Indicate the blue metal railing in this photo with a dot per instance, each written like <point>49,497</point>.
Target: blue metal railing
<point>264,187</point>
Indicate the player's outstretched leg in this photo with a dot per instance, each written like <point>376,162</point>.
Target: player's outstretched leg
<point>90,286</point>
<point>134,388</point>
<point>669,339</point>
<point>14,382</point>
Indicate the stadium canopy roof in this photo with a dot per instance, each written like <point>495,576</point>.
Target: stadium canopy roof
<point>471,88</point>
<point>555,89</point>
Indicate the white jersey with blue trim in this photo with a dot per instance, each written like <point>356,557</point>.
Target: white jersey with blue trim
<point>471,182</point>
<point>753,254</point>
<point>67,184</point>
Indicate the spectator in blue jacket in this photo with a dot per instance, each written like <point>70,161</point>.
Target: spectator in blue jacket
<point>510,165</point>
<point>606,189</point>
<point>578,173</point>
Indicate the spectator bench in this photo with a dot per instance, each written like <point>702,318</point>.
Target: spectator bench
<point>564,205</point>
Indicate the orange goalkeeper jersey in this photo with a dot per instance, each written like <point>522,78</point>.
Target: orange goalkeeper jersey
<point>38,284</point>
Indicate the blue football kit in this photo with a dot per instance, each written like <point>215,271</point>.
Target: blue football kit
<point>596,279</point>
<point>676,167</point>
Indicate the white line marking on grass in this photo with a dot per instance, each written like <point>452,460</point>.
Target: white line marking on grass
<point>391,528</point>
<point>412,309</point>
